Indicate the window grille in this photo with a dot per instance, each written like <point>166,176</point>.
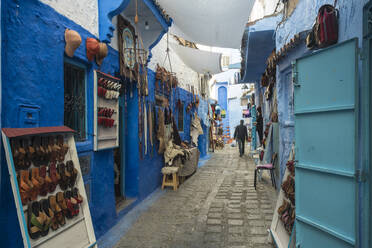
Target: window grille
<point>75,102</point>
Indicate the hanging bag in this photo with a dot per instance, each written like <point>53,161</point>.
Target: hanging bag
<point>325,30</point>
<point>327,26</point>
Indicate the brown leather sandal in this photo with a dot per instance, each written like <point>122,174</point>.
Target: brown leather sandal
<point>63,148</point>
<point>62,203</point>
<point>24,187</point>
<point>54,176</point>
<point>35,182</point>
<point>72,171</point>
<point>59,218</point>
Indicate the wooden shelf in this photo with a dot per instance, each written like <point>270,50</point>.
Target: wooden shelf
<point>105,137</point>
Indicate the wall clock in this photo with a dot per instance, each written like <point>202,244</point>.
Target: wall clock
<point>128,48</point>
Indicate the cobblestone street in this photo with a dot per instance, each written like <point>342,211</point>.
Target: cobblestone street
<point>216,207</point>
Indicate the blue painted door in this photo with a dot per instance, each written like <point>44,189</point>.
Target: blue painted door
<point>325,131</point>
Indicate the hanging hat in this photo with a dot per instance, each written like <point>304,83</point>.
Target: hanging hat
<point>73,41</point>
<point>102,53</point>
<point>92,48</point>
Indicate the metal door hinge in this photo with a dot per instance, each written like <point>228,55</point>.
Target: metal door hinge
<point>361,54</point>
<point>295,75</point>
<point>361,175</point>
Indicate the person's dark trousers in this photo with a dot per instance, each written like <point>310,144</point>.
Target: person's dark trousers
<point>241,147</point>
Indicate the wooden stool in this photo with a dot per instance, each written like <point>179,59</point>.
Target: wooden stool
<point>173,182</point>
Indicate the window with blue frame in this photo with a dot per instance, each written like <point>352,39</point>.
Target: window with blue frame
<point>180,117</point>
<point>75,99</point>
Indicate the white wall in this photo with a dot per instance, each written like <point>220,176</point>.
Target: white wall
<point>185,75</point>
<point>85,13</point>
<point>114,40</point>
<point>263,8</point>
<point>82,12</point>
<point>227,76</point>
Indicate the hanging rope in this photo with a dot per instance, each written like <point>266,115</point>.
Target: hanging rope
<point>167,56</point>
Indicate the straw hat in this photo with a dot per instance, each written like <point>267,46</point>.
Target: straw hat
<point>73,41</point>
<point>103,50</point>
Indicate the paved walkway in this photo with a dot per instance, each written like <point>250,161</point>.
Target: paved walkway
<point>216,207</point>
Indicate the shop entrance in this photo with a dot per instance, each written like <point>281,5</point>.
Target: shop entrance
<point>119,159</point>
<point>326,99</point>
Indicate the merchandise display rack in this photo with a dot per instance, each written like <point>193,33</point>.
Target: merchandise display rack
<point>105,137</point>
<point>277,231</point>
<point>77,231</point>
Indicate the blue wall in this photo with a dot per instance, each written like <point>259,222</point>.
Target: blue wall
<point>32,59</point>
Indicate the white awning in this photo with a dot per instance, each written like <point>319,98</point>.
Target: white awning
<point>218,23</point>
<point>200,61</point>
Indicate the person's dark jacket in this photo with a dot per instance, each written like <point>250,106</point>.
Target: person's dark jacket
<point>259,127</point>
<point>241,132</point>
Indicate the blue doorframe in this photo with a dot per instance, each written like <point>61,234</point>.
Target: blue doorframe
<point>366,107</point>
<point>326,130</point>
<point>122,141</point>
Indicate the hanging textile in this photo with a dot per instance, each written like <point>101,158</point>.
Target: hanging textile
<point>161,131</point>
<point>150,121</point>
<point>168,133</point>
<point>154,127</point>
<point>176,135</point>
<point>203,112</point>
<point>145,125</point>
<point>195,129</point>
<point>171,152</point>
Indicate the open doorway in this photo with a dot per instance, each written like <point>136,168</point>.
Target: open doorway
<point>119,194</point>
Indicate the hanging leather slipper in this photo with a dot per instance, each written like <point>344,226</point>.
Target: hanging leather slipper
<point>54,176</point>
<point>35,220</point>
<point>77,196</point>
<point>49,216</point>
<point>47,181</point>
<point>72,205</point>
<point>26,156</point>
<point>65,176</point>
<point>24,188</point>
<point>37,184</point>
<point>73,172</point>
<point>62,203</point>
<point>59,218</point>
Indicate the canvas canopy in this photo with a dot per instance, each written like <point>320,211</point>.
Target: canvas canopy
<point>218,23</point>
<point>200,61</point>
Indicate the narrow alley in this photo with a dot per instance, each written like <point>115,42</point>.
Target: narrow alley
<point>216,207</point>
<point>186,124</point>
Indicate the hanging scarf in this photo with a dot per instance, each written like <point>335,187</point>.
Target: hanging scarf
<point>161,131</point>
<point>176,135</point>
<point>150,118</point>
<point>145,125</point>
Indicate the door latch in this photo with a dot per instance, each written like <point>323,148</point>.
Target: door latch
<point>361,175</point>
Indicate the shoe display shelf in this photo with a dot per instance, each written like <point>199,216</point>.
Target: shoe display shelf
<point>106,136</point>
<point>77,231</point>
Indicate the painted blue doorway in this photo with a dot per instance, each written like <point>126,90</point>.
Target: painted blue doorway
<point>222,97</point>
<point>325,139</point>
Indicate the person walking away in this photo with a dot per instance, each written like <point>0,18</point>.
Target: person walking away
<point>259,124</point>
<point>240,135</point>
